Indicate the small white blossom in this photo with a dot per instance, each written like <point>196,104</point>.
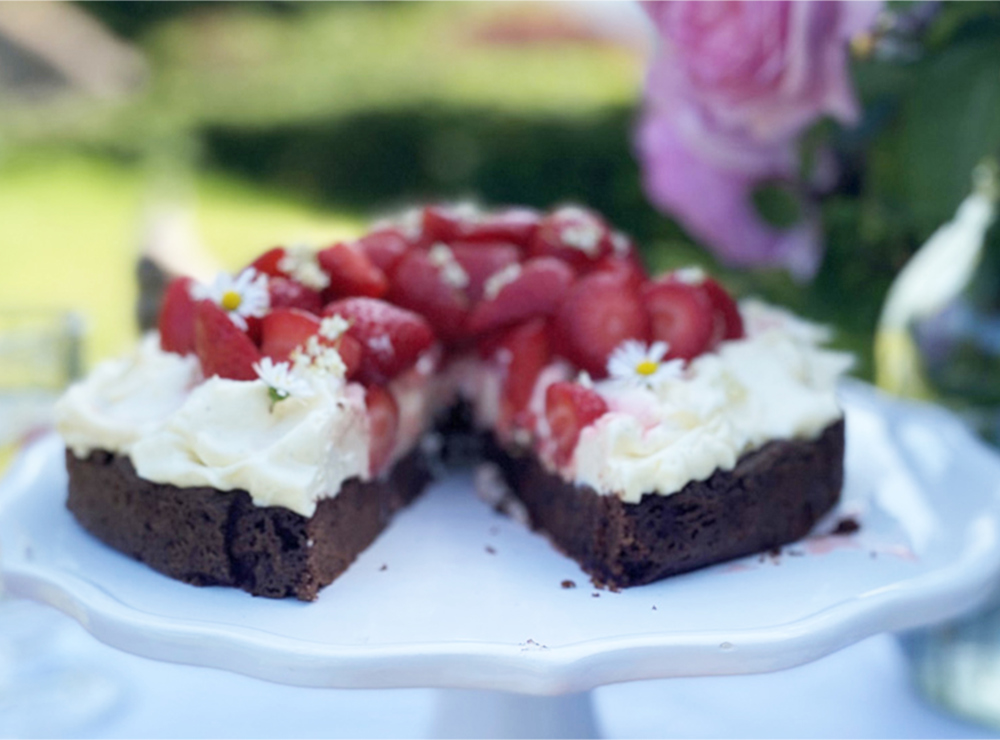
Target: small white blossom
<point>240,297</point>
<point>301,264</point>
<point>451,272</point>
<point>690,275</point>
<point>496,282</point>
<point>583,232</point>
<point>282,381</point>
<point>333,327</point>
<point>634,362</point>
<point>620,244</point>
<point>315,356</point>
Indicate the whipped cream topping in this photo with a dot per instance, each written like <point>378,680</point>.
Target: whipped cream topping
<point>776,384</point>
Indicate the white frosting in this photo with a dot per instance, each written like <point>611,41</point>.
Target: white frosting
<point>226,434</point>
<point>775,384</point>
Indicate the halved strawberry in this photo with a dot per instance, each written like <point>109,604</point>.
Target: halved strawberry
<point>176,321</point>
<point>384,248</point>
<point>512,225</point>
<point>631,269</point>
<point>350,351</point>
<point>287,293</point>
<point>383,427</point>
<point>391,337</point>
<point>569,407</point>
<point>267,263</point>
<point>601,311</point>
<point>284,329</point>
<point>681,315</point>
<point>537,290</point>
<point>523,351</point>
<point>422,286</point>
<point>728,321</point>
<point>223,349</point>
<point>351,272</point>
<point>482,260</point>
<point>575,235</point>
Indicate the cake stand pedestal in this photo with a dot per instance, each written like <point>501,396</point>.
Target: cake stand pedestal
<point>455,597</point>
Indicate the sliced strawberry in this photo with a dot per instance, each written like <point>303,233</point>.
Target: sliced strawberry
<point>728,322</point>
<point>267,263</point>
<point>384,248</point>
<point>350,351</point>
<point>223,349</point>
<point>601,311</point>
<point>422,286</point>
<point>177,317</point>
<point>681,315</point>
<point>351,272</point>
<point>287,293</point>
<point>383,427</point>
<point>630,269</point>
<point>523,351</point>
<point>448,224</point>
<point>482,260</point>
<point>577,236</point>
<point>391,338</point>
<point>537,290</point>
<point>569,408</point>
<point>284,329</point>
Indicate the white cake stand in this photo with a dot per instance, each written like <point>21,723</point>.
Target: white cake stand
<point>456,597</point>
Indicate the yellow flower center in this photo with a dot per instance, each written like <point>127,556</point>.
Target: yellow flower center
<point>231,300</point>
<point>646,367</point>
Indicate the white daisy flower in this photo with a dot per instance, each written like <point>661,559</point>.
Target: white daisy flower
<point>301,264</point>
<point>240,297</point>
<point>282,381</point>
<point>634,362</point>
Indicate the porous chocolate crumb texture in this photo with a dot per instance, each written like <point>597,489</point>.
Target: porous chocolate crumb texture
<point>209,537</point>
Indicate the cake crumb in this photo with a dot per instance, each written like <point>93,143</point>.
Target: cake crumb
<point>494,530</point>
<point>796,553</point>
<point>654,607</point>
<point>491,550</point>
<point>873,554</point>
<point>847,525</point>
<point>568,584</point>
<point>384,567</point>
<point>596,595</point>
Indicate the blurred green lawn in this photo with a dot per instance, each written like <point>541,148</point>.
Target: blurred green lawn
<point>71,226</point>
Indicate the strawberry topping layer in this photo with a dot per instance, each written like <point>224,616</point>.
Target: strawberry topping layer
<point>528,290</point>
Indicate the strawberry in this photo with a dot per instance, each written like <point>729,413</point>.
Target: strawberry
<point>577,236</point>
<point>284,329</point>
<point>421,285</point>
<point>728,322</point>
<point>512,225</point>
<point>351,272</point>
<point>223,349</point>
<point>287,293</point>
<point>391,338</point>
<point>630,268</point>
<point>177,317</point>
<point>350,350</point>
<point>601,311</point>
<point>524,351</point>
<point>267,263</point>
<point>384,248</point>
<point>482,260</point>
<point>681,314</point>
<point>569,407</point>
<point>383,427</point>
<point>537,290</point>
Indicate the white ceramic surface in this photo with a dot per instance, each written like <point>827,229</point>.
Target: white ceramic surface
<point>470,599</point>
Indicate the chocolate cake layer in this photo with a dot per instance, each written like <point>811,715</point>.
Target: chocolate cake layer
<point>772,497</point>
<point>209,537</point>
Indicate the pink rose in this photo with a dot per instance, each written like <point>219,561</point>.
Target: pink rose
<point>732,87</point>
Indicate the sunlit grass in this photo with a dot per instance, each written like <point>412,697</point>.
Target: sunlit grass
<point>71,227</point>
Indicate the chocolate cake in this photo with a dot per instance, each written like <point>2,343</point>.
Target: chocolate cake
<point>207,537</point>
<point>266,433</point>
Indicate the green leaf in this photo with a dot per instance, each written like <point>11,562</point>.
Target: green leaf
<point>777,204</point>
